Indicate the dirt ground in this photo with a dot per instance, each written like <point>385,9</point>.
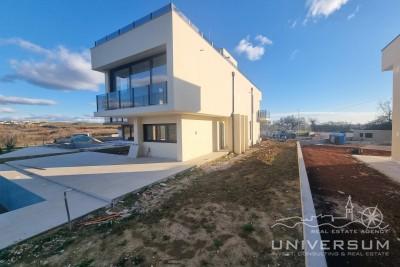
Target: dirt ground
<point>219,214</point>
<point>40,133</point>
<point>334,174</point>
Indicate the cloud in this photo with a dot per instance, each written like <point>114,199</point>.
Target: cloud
<point>59,68</point>
<point>293,24</point>
<point>252,51</point>
<point>263,40</point>
<point>4,100</point>
<point>293,54</point>
<point>352,15</point>
<point>318,8</point>
<point>323,116</point>
<point>53,118</point>
<point>7,110</point>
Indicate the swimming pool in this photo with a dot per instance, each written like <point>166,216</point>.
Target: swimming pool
<point>13,196</point>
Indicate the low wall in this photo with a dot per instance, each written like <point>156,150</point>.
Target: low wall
<point>314,257</point>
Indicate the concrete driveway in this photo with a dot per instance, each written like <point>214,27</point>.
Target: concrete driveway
<point>103,176</point>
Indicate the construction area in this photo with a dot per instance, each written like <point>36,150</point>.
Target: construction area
<point>218,214</point>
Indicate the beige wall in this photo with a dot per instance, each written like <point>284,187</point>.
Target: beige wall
<point>203,78</point>
<point>197,136</point>
<point>396,113</point>
<point>391,61</point>
<point>381,137</point>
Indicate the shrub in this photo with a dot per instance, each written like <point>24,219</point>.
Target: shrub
<point>10,141</point>
<point>248,228</point>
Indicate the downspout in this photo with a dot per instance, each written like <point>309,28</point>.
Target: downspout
<point>233,111</point>
<point>252,116</point>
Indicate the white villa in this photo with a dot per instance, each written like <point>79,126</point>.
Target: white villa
<point>391,62</point>
<point>174,92</point>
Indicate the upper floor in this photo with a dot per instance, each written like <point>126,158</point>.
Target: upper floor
<point>163,63</point>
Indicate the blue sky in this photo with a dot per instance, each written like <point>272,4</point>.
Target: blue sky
<point>318,57</point>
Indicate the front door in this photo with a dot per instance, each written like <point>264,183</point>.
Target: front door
<point>127,132</point>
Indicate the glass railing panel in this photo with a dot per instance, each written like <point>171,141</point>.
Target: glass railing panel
<point>126,98</point>
<point>158,94</point>
<point>113,100</point>
<point>102,102</point>
<point>141,96</point>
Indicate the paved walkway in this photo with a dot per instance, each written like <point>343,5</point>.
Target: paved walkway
<point>26,222</point>
<point>96,179</point>
<point>385,165</point>
<point>35,151</point>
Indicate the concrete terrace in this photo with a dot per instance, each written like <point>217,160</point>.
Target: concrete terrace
<point>96,179</point>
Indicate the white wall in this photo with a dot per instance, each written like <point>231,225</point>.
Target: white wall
<point>203,78</point>
<point>391,61</point>
<point>197,136</point>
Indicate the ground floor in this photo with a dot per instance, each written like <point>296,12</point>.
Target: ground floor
<point>183,137</point>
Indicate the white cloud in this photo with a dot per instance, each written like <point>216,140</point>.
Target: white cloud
<point>323,116</point>
<point>318,8</point>
<point>7,110</point>
<point>53,118</point>
<point>58,68</point>
<point>264,40</point>
<point>293,24</point>
<point>252,51</point>
<point>4,100</point>
<point>352,15</point>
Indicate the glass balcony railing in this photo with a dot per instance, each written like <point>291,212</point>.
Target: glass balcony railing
<point>155,94</point>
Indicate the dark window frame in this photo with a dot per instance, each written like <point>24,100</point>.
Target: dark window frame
<point>369,135</point>
<point>129,66</point>
<point>167,133</point>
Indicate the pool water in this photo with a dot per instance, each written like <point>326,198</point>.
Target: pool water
<point>2,209</point>
<point>13,196</point>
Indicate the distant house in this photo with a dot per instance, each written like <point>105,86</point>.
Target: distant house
<point>379,137</point>
<point>391,62</point>
<point>173,91</point>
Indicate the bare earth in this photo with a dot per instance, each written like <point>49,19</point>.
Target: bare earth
<point>334,174</point>
<point>37,134</point>
<point>217,215</point>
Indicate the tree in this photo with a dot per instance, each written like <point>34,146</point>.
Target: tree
<point>385,110</point>
<point>313,124</point>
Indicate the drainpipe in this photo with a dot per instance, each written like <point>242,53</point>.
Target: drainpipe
<point>252,116</point>
<point>233,111</point>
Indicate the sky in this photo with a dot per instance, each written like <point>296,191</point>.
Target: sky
<point>317,58</point>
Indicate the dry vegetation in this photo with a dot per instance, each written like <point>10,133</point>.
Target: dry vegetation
<point>217,215</point>
<point>37,134</point>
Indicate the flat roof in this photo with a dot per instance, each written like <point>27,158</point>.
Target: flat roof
<point>390,42</point>
<point>158,13</point>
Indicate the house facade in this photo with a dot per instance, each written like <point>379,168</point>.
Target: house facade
<point>391,62</point>
<point>174,93</point>
<point>379,137</point>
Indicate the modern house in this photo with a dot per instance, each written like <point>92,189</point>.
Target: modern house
<point>391,61</point>
<point>173,91</point>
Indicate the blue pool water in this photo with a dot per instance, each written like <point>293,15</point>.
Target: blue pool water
<point>13,196</point>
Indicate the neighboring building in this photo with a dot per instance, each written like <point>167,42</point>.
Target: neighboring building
<point>391,61</point>
<point>174,93</point>
<point>379,137</point>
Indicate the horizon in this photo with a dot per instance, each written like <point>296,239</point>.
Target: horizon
<point>305,51</point>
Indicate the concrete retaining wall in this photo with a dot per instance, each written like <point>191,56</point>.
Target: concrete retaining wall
<point>314,257</point>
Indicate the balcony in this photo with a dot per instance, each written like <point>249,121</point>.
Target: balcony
<point>262,115</point>
<point>155,94</point>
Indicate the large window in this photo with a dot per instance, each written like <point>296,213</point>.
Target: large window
<point>165,133</point>
<point>140,74</point>
<point>138,84</point>
<point>121,79</point>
